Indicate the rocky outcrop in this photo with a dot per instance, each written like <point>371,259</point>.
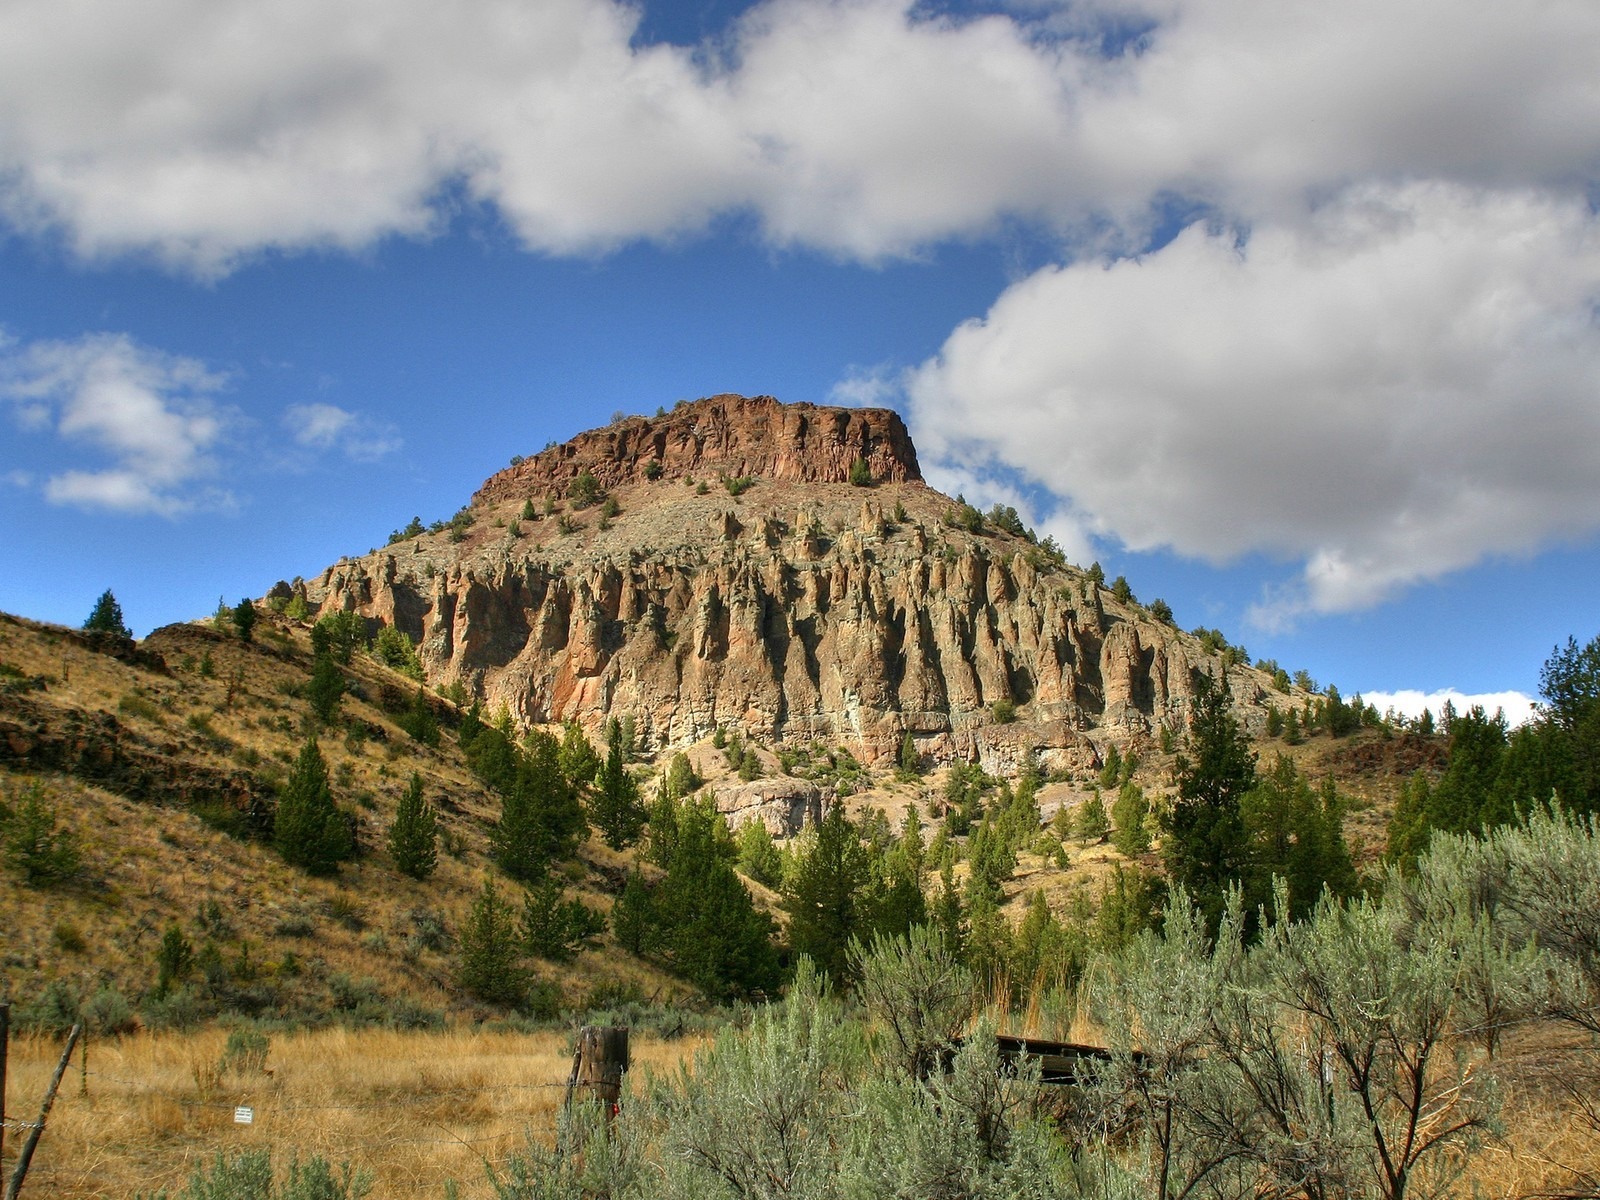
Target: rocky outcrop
<point>801,609</point>
<point>735,436</point>
<point>785,805</point>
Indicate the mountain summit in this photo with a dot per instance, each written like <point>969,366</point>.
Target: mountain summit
<point>779,569</point>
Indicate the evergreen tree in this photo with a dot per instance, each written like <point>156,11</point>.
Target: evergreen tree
<point>910,760</point>
<point>827,897</point>
<point>419,721</point>
<point>35,844</point>
<point>540,820</point>
<point>1044,954</point>
<point>244,619</point>
<point>339,634</point>
<point>1129,817</point>
<point>633,918</point>
<point>555,927</point>
<point>617,811</point>
<point>326,689</point>
<point>1092,824</point>
<point>988,942</point>
<point>663,822</point>
<point>107,617</point>
<point>579,762</point>
<point>681,779</point>
<point>1206,845</point>
<point>490,964</point>
<point>308,829</point>
<point>947,915</point>
<point>414,835</point>
<point>1296,834</point>
<point>710,930</point>
<point>174,959</point>
<point>758,856</point>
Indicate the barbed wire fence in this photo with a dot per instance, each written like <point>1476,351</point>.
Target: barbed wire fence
<point>51,1175</point>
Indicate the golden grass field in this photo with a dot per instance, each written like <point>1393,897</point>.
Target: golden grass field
<point>420,1109</point>
<point>415,1109</point>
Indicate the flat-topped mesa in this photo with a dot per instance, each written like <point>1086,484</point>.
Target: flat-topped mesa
<point>727,435</point>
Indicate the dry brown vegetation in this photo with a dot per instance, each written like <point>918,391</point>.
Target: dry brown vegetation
<point>290,940</point>
<point>415,1109</point>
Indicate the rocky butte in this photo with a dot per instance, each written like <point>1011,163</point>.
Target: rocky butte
<point>716,566</point>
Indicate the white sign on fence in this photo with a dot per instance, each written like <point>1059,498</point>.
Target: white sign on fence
<point>244,1116</point>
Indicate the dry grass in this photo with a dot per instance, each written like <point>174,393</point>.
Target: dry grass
<point>414,1109</point>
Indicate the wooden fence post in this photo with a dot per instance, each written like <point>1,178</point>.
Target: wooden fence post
<point>599,1064</point>
<point>5,1044</point>
<point>37,1131</point>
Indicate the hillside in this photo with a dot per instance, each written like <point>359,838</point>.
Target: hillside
<point>163,760</point>
<point>817,620</point>
<point>715,566</point>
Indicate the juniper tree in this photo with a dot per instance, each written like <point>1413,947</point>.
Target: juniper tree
<point>711,932</point>
<point>414,835</point>
<point>540,819</point>
<point>107,617</point>
<point>633,918</point>
<point>616,811</point>
<point>827,898</point>
<point>326,688</point>
<point>1131,834</point>
<point>554,926</point>
<point>490,962</point>
<point>1206,845</point>
<point>308,829</point>
<point>243,616</point>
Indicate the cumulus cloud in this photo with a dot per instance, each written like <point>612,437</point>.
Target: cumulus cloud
<point>151,414</point>
<point>1517,707</point>
<point>206,130</point>
<point>329,427</point>
<point>1404,382</point>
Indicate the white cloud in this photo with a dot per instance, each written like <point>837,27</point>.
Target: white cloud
<point>329,427</point>
<point>150,413</point>
<point>1517,707</point>
<point>206,130</point>
<point>1399,385</point>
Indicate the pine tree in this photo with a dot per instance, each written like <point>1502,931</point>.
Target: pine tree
<point>1092,823</point>
<point>107,617</point>
<point>711,931</point>
<point>326,689</point>
<point>244,619</point>
<point>540,819</point>
<point>1129,819</point>
<point>555,927</point>
<point>414,835</point>
<point>308,829</point>
<point>490,964</point>
<point>910,760</point>
<point>826,898</point>
<point>579,762</point>
<point>681,779</point>
<point>633,919</point>
<point>1206,845</point>
<point>758,856</point>
<point>419,721</point>
<point>617,811</point>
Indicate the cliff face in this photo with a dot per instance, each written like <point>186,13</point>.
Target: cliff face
<point>803,608</point>
<point>726,435</point>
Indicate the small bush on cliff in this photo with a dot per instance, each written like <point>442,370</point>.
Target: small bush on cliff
<point>860,473</point>
<point>584,490</point>
<point>737,485</point>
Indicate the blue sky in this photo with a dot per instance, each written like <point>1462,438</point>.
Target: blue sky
<point>1289,323</point>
